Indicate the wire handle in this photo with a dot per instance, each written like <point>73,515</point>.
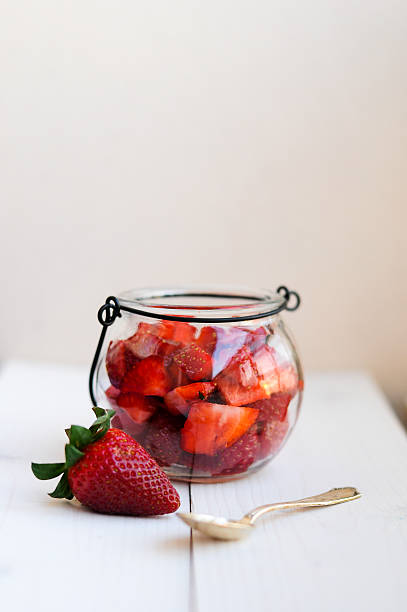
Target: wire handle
<point>107,315</point>
<point>111,309</point>
<point>287,294</point>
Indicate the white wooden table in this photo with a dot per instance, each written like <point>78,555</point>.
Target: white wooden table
<point>57,556</point>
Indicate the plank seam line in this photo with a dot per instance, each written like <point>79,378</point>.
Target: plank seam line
<point>192,601</point>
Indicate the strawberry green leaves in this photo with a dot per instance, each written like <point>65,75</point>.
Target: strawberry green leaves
<point>63,490</point>
<point>102,423</point>
<point>79,437</point>
<point>72,455</point>
<point>46,471</point>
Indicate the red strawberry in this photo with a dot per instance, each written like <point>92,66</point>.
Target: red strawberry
<point>267,369</point>
<point>256,338</point>
<point>274,408</point>
<point>271,437</point>
<point>194,362</point>
<point>177,376</point>
<point>272,423</point>
<point>288,379</point>
<point>176,331</point>
<point>144,342</point>
<point>178,400</point>
<point>124,421</point>
<point>148,377</point>
<point>118,361</point>
<point>112,393</point>
<point>222,343</point>
<point>197,464</point>
<point>116,422</point>
<point>274,377</point>
<point>147,341</point>
<point>240,456</point>
<point>163,439</point>
<point>207,339</point>
<point>211,427</point>
<point>263,439</point>
<point>179,331</point>
<point>139,407</point>
<point>163,329</point>
<point>239,382</point>
<point>110,472</point>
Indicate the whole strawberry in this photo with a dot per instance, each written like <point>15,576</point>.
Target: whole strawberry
<point>108,471</point>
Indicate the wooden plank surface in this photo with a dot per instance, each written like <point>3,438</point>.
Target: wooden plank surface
<point>56,555</point>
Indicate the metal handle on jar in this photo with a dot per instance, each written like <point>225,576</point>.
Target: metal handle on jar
<point>112,308</point>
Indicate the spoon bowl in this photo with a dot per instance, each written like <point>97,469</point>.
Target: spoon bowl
<point>216,527</point>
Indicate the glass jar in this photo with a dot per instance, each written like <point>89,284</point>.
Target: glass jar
<point>208,380</point>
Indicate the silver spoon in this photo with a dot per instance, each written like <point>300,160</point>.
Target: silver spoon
<point>223,529</point>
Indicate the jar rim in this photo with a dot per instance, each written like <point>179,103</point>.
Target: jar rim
<point>197,303</point>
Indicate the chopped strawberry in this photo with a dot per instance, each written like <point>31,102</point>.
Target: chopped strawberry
<point>207,339</point>
<point>178,400</point>
<point>239,382</point>
<point>177,376</point>
<point>222,343</point>
<point>116,422</point>
<point>256,338</point>
<point>274,378</point>
<point>163,439</point>
<point>230,340</point>
<point>267,369</point>
<point>139,407</point>
<point>147,341</point>
<point>118,361</point>
<point>212,427</point>
<point>289,382</point>
<point>198,464</point>
<point>238,457</point>
<point>182,332</point>
<point>273,409</point>
<point>168,347</point>
<point>176,331</point>
<point>163,329</point>
<point>112,393</point>
<point>144,342</point>
<point>148,377</point>
<point>125,422</point>
<point>272,434</point>
<point>194,362</point>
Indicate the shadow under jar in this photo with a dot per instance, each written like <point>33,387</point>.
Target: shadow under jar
<point>208,380</point>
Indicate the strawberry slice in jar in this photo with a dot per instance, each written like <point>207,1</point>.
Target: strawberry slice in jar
<point>148,377</point>
<point>213,427</point>
<point>179,400</point>
<point>194,362</point>
<point>239,382</point>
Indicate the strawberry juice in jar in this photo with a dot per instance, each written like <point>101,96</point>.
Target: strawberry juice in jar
<point>208,380</point>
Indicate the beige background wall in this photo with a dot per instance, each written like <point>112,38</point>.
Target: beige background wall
<point>171,142</point>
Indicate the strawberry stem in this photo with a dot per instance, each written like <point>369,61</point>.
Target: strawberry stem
<point>79,437</point>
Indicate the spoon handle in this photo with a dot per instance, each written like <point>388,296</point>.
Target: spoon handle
<point>334,496</point>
